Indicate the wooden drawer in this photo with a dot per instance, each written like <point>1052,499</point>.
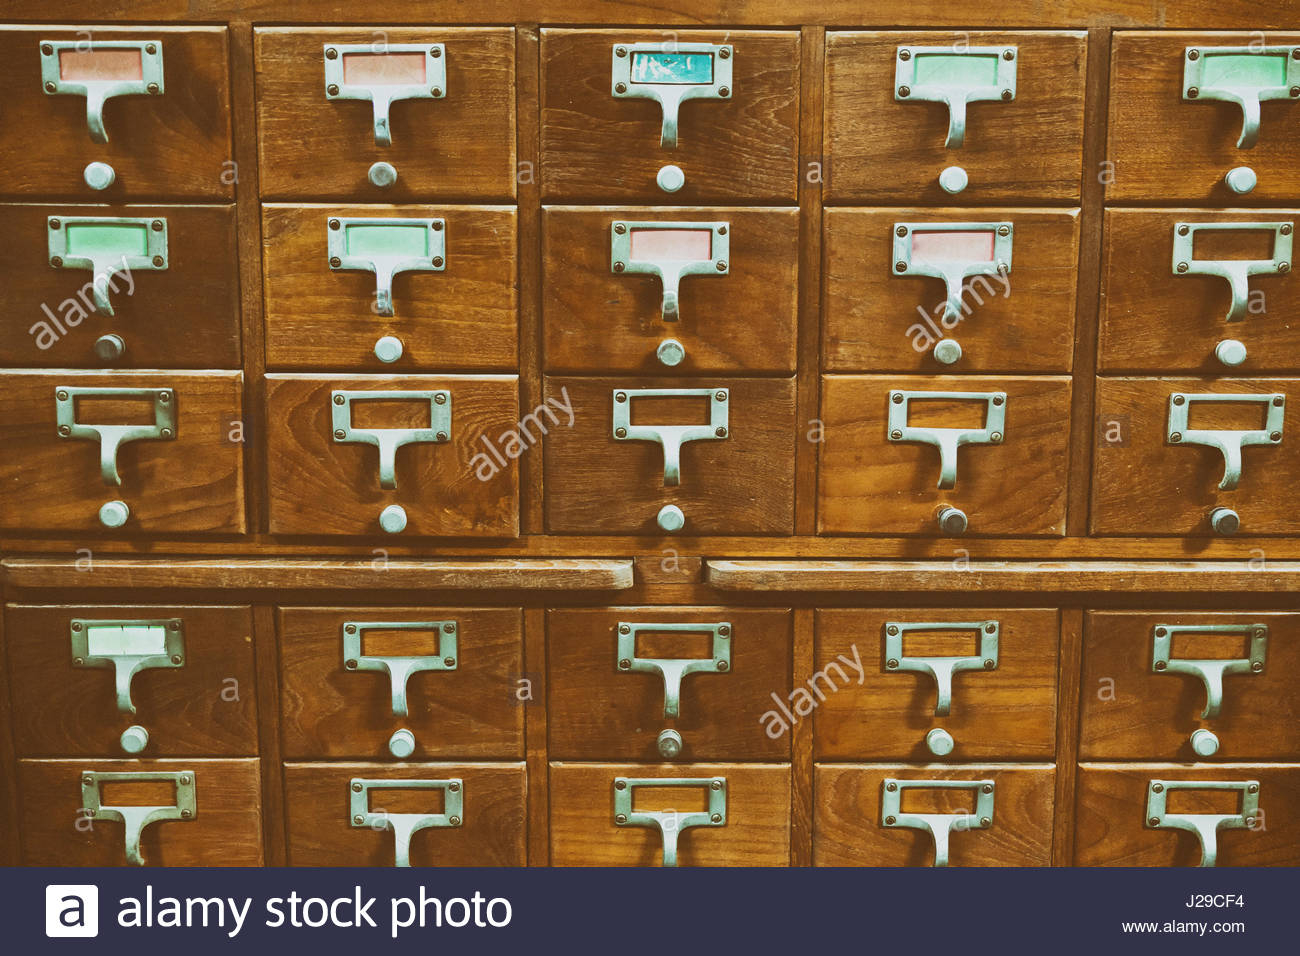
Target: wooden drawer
<point>851,825</point>
<point>455,486</point>
<point>183,315</point>
<point>871,484</point>
<point>323,831</point>
<point>224,797</point>
<point>195,696</point>
<point>190,482</point>
<point>337,695</point>
<point>460,316</point>
<point>878,318</point>
<point>755,830</point>
<point>739,320</point>
<point>599,144</point>
<point>1145,484</point>
<point>1166,147</point>
<point>742,483</point>
<point>1140,702</point>
<point>875,702</point>
<point>173,145</point>
<point>1113,810</point>
<point>1156,319</point>
<point>881,147</point>
<point>315,144</point>
<point>724,709</point>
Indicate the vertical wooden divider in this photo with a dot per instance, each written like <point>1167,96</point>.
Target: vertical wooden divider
<point>539,829</point>
<point>801,744</point>
<point>1067,734</point>
<point>812,56</point>
<point>266,646</point>
<point>528,196</point>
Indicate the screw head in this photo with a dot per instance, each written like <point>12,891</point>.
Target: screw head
<point>620,432</point>
<point>716,817</point>
<point>152,88</point>
<point>620,87</point>
<point>357,819</point>
<point>176,659</point>
<point>57,262</point>
<point>722,230</point>
<point>54,224</point>
<point>998,399</point>
<point>1257,666</point>
<point>1286,229</point>
<point>990,627</point>
<point>78,661</point>
<point>995,437</point>
<point>435,52</point>
<point>158,261</point>
<point>185,778</point>
<point>437,260</point>
<point>1253,788</point>
<point>1182,267</point>
<point>332,89</point>
<point>437,225</point>
<point>331,53</point>
<point>1295,54</point>
<point>720,432</point>
<point>891,787</point>
<point>1193,92</point>
<point>1004,230</point>
<point>987,788</point>
<point>65,430</point>
<point>356,788</point>
<point>904,91</point>
<point>157,225</point>
<point>335,262</point>
<point>450,628</point>
<point>1154,821</point>
<point>1295,91</point>
<point>724,91</point>
<point>1007,95</point>
<point>904,54</point>
<point>454,821</point>
<point>1193,54</point>
<point>896,434</point>
<point>334,224</point>
<point>1183,230</point>
<point>720,396</point>
<point>619,228</point>
<point>436,91</point>
<point>889,821</point>
<point>449,661</point>
<point>454,787</point>
<point>724,631</point>
<point>1179,399</point>
<point>441,436</point>
<point>186,814</point>
<point>87,780</point>
<point>1008,54</point>
<point>625,629</point>
<point>901,231</point>
<point>619,266</point>
<point>624,664</point>
<point>723,665</point>
<point>1161,665</point>
<point>985,821</point>
<point>721,265</point>
<point>620,784</point>
<point>725,52</point>
<point>892,629</point>
<point>900,266</point>
<point>1176,437</point>
<point>621,818</point>
<point>892,662</point>
<point>1277,400</point>
<point>350,665</point>
<point>620,51</point>
<point>1284,267</point>
<point>47,49</point>
<point>989,663</point>
<point>50,87</point>
<point>1275,436</point>
<point>896,398</point>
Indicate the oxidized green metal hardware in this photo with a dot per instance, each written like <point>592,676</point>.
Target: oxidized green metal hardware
<point>671,251</point>
<point>135,818</point>
<point>1206,826</point>
<point>107,245</point>
<point>948,440</point>
<point>938,825</point>
<point>670,73</point>
<point>673,669</point>
<point>112,437</point>
<point>399,668</point>
<point>1228,441</point>
<point>100,69</point>
<point>383,73</point>
<point>670,823</point>
<point>1236,271</point>
<point>1211,672</point>
<point>942,74</point>
<point>405,825</point>
<point>670,437</point>
<point>1243,75</point>
<point>127,647</point>
<point>386,247</point>
<point>941,668</point>
<point>388,440</point>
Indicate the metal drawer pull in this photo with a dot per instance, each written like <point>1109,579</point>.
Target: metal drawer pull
<point>671,73</point>
<point>948,440</point>
<point>670,437</point>
<point>388,440</point>
<point>127,647</point>
<point>99,70</point>
<point>1236,271</point>
<point>403,71</point>
<point>670,823</point>
<point>940,74</point>
<point>386,247</point>
<point>112,437</point>
<point>1206,826</point>
<point>405,825</point>
<point>671,251</point>
<point>135,819</point>
<point>1228,441</point>
<point>673,670</point>
<point>941,668</point>
<point>399,668</point>
<point>1211,672</point>
<point>107,245</point>
<point>1243,75</point>
<point>938,825</point>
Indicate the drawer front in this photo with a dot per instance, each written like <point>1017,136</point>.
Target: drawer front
<point>73,692</point>
<point>602,143</point>
<point>223,799</point>
<point>1200,290</point>
<point>674,299</point>
<point>488,801</point>
<point>740,483</point>
<point>353,678</point>
<point>459,313</point>
<point>1145,483</point>
<point>174,144</point>
<point>316,144</point>
<point>752,800</point>
<point>466,484</point>
<point>872,483</point>
<point>621,686</point>
<point>886,146</point>
<point>1114,814</point>
<point>1165,145</point>
<point>859,821</point>
<point>1147,679</point>
<point>879,674</point>
<point>884,313</point>
<point>135,286</point>
<point>190,481</point>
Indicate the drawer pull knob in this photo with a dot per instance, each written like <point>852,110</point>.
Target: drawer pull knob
<point>405,825</point>
<point>948,440</point>
<point>947,351</point>
<point>382,175</point>
<point>671,251</point>
<point>403,71</point>
<point>386,247</point>
<point>112,437</point>
<point>689,71</point>
<point>402,744</point>
<point>1205,743</point>
<point>1237,272</point>
<point>673,670</point>
<point>135,818</point>
<point>393,519</point>
<point>110,347</point>
<point>109,246</point>
<point>671,519</point>
<point>1206,826</point>
<point>670,352</point>
<point>108,68</point>
<point>953,179</point>
<point>1230,352</point>
<point>134,739</point>
<point>388,349</point>
<point>114,514</point>
<point>670,744</point>
<point>127,647</point>
<point>1241,180</point>
<point>1225,521</point>
<point>952,521</point>
<point>1210,672</point>
<point>670,178</point>
<point>1244,75</point>
<point>940,74</point>
<point>670,823</point>
<point>388,440</point>
<point>953,252</point>
<point>940,742</point>
<point>941,668</point>
<point>99,176</point>
<point>671,437</point>
<point>1229,442</point>
<point>938,825</point>
<point>399,668</point>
